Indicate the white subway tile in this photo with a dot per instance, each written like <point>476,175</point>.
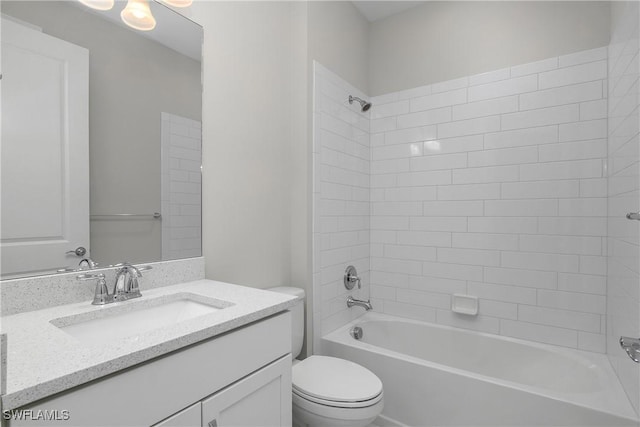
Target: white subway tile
<point>561,170</point>
<point>450,85</point>
<point>593,110</point>
<point>574,301</point>
<point>481,323</point>
<point>582,57</point>
<point>453,208</point>
<point>560,318</point>
<point>414,92</point>
<point>561,244</point>
<point>383,292</point>
<point>398,151</point>
<point>423,238</point>
<point>502,293</point>
<point>503,88</point>
<point>539,207</point>
<point>389,166</point>
<point>521,137</point>
<point>424,118</point>
<point>486,174</point>
<point>562,95</point>
<point>583,207</point>
<point>428,299</point>
<point>593,265</point>
<point>541,261</point>
<point>469,127</point>
<point>489,77</point>
<point>404,136</point>
<point>383,236</point>
<point>396,208</point>
<point>584,283</point>
<point>437,284</point>
<point>397,280</point>
<point>485,108</point>
<point>453,145</point>
<point>573,226</point>
<point>410,311</point>
<point>438,162</point>
<point>504,156</point>
<point>469,256</point>
<point>469,192</point>
<point>572,75</point>
<point>433,223</point>
<point>390,109</point>
<point>540,189</point>
<point>382,125</point>
<point>501,224</point>
<point>540,117</point>
<point>592,342</point>
<point>389,222</point>
<point>406,194</point>
<point>503,310</point>
<point>591,129</point>
<point>416,253</point>
<point>452,271</point>
<point>534,67</point>
<point>484,241</point>
<point>420,179</point>
<point>396,266</point>
<point>573,150</point>
<point>518,277</point>
<point>439,100</point>
<point>383,181</point>
<point>539,333</point>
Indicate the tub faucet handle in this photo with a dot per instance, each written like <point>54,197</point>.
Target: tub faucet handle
<point>632,347</point>
<point>351,278</point>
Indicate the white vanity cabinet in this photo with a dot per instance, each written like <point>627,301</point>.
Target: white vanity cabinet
<point>242,377</point>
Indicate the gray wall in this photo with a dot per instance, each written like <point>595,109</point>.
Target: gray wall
<point>444,40</point>
<point>132,80</point>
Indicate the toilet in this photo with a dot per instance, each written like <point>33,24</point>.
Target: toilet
<point>328,391</point>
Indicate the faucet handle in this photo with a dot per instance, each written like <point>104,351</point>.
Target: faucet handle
<point>101,295</point>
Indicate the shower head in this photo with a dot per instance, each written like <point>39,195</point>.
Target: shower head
<point>364,104</point>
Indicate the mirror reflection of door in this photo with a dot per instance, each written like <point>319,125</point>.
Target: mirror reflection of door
<point>47,214</point>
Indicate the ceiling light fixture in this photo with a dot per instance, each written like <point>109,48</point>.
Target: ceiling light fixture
<point>98,4</point>
<point>178,3</point>
<point>138,15</point>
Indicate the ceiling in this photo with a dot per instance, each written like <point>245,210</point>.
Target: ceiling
<point>376,10</point>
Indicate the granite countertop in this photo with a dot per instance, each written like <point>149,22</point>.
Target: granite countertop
<point>43,360</point>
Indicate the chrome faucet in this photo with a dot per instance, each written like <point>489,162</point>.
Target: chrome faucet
<point>124,288</point>
<point>351,301</point>
<point>88,263</point>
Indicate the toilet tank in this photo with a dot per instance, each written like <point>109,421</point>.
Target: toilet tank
<point>297,317</point>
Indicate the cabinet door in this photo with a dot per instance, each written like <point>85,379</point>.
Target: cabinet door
<point>261,399</point>
<point>190,417</point>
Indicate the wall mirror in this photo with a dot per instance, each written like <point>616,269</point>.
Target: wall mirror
<point>101,137</point>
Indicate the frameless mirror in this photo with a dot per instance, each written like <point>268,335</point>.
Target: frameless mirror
<point>101,137</point>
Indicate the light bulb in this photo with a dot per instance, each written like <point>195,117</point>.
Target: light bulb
<point>178,3</point>
<point>98,4</point>
<point>138,15</point>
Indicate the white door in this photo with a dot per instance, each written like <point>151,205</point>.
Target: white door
<point>261,399</point>
<point>44,151</point>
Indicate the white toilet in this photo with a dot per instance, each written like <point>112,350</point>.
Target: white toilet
<point>327,391</point>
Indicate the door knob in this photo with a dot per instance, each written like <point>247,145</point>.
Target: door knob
<point>79,251</point>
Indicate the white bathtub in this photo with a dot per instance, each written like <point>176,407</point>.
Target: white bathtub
<point>441,376</point>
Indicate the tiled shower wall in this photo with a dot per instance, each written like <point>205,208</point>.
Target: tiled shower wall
<point>623,292</point>
<point>181,183</point>
<point>341,199</point>
<point>493,185</point>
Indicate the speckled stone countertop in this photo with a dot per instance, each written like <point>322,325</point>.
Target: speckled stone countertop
<point>43,360</point>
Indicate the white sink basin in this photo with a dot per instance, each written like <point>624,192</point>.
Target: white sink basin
<point>133,318</point>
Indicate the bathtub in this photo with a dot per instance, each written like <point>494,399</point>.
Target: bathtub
<point>442,376</point>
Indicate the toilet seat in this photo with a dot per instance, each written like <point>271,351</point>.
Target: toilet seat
<point>339,383</point>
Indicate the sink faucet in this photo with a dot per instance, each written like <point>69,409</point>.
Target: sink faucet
<point>124,288</point>
<point>351,301</point>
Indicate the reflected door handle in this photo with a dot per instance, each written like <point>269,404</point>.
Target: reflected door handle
<point>79,251</point>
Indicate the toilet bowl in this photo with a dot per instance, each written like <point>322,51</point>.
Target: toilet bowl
<point>328,391</point>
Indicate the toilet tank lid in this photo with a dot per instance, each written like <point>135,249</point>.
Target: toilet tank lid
<point>289,290</point>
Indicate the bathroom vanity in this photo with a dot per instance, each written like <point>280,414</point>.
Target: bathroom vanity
<point>227,364</point>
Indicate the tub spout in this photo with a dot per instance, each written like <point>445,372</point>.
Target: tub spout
<point>351,301</point>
